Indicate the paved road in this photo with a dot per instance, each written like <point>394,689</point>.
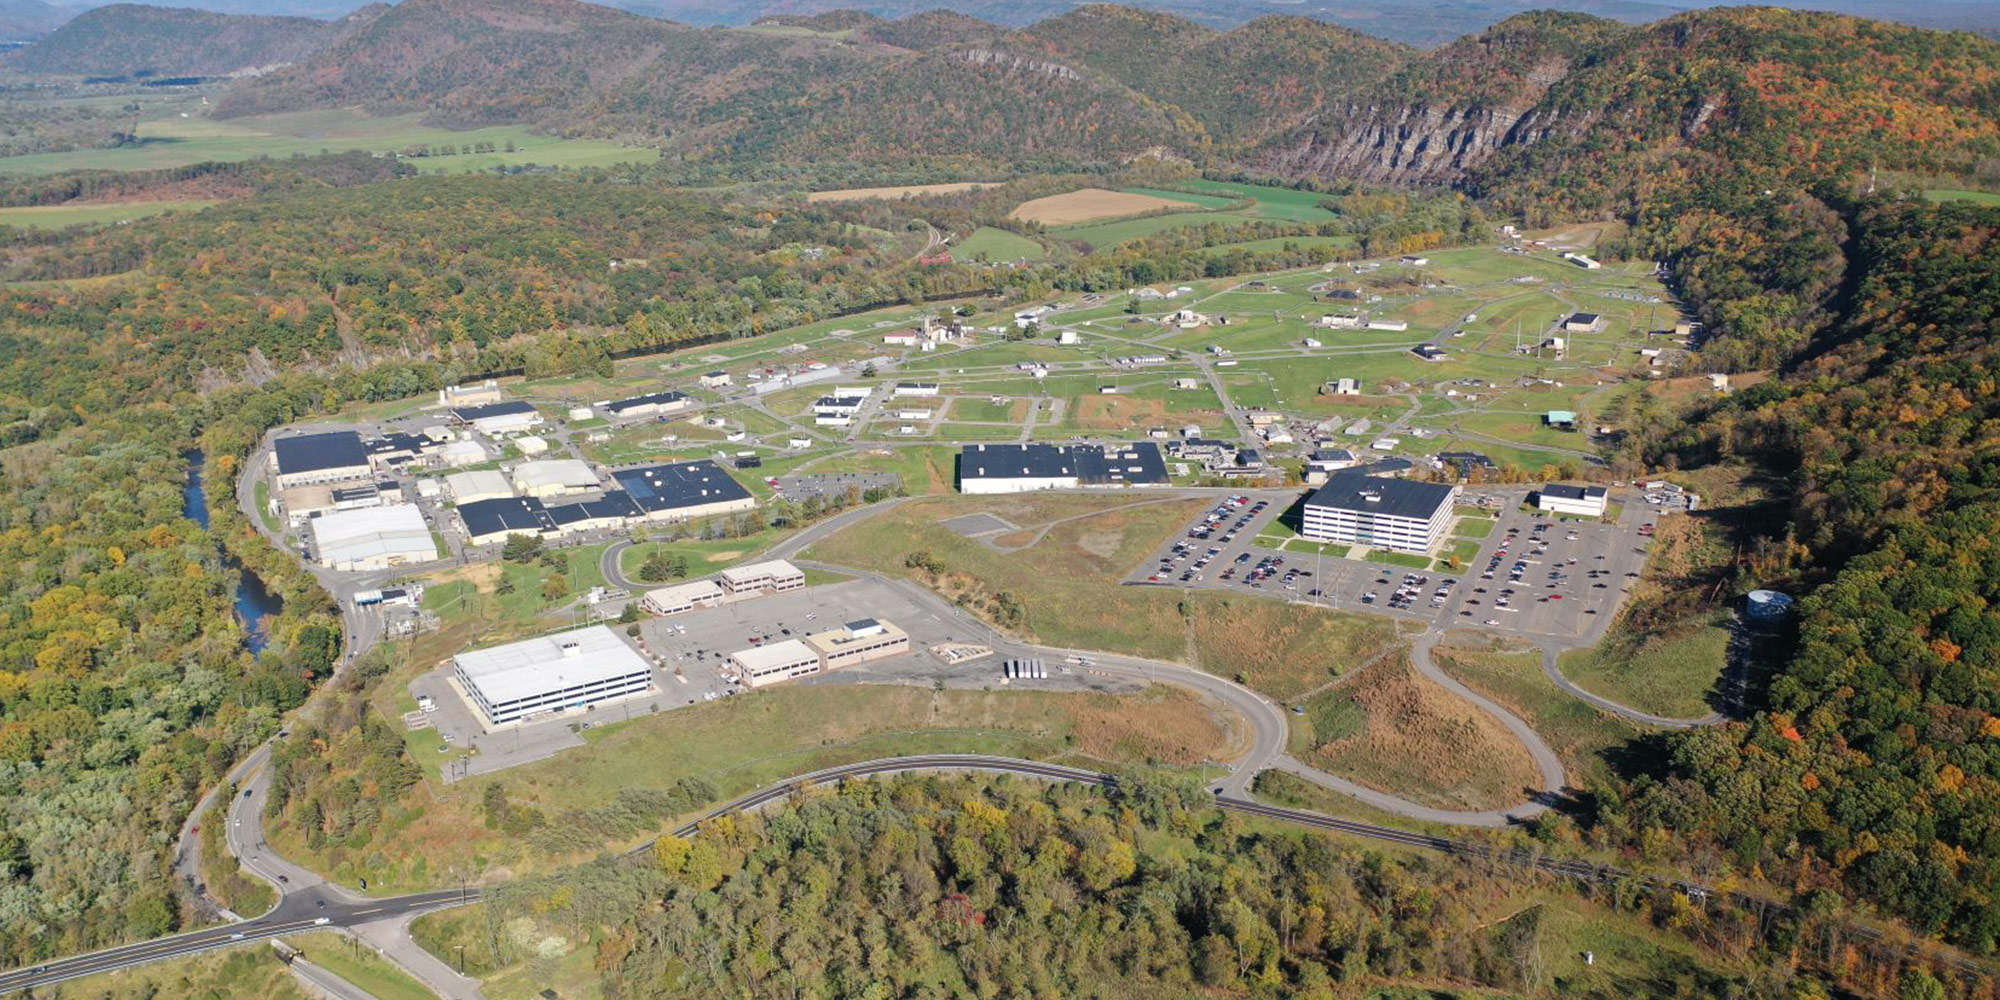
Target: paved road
<point>298,913</point>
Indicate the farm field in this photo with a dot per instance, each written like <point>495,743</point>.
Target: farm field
<point>905,191</point>
<point>1092,203</point>
<point>988,243</point>
<point>1272,202</point>
<point>1203,200</point>
<point>1113,233</point>
<point>173,141</point>
<point>58,216</point>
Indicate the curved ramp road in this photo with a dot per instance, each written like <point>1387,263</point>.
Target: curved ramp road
<point>350,914</point>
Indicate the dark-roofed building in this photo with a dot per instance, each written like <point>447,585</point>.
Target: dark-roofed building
<point>1394,514</point>
<point>650,405</point>
<point>684,490</point>
<point>1563,498</point>
<point>614,510</point>
<point>1466,462</point>
<point>331,457</point>
<point>498,418</point>
<point>1020,468</point>
<point>396,450</point>
<point>1583,323</point>
<point>488,521</point>
<point>1392,467</point>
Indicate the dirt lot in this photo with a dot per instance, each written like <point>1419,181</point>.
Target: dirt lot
<point>858,194</point>
<point>1092,203</point>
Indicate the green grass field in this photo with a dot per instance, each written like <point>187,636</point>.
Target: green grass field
<point>1106,234</point>
<point>59,216</point>
<point>358,964</point>
<point>1669,675</point>
<point>1272,202</point>
<point>1514,678</point>
<point>250,972</point>
<point>988,243</point>
<point>1952,194</point>
<point>1280,243</point>
<point>1204,200</point>
<point>169,140</point>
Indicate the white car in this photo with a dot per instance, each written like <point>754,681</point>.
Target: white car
<point>321,921</point>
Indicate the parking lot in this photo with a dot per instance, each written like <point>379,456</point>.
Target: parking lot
<point>1534,575</point>
<point>1542,577</point>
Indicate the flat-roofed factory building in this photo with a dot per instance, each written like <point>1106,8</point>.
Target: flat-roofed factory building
<point>551,673</point>
<point>310,459</point>
<point>684,490</point>
<point>372,538</point>
<point>1395,514</point>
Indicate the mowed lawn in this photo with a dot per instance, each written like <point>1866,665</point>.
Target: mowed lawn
<point>1067,583</point>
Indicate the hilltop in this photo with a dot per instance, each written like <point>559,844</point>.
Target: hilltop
<point>142,41</point>
<point>1576,112</point>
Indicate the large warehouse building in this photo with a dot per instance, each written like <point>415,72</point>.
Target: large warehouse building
<point>1394,514</point>
<point>684,490</point>
<point>309,459</point>
<point>373,538</point>
<point>551,674</point>
<point>554,477</point>
<point>1020,468</point>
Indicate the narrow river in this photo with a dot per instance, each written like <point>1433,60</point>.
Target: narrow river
<point>253,601</point>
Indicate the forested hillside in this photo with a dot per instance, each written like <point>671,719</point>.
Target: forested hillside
<point>1871,768</point>
<point>134,40</point>
<point>1558,114</point>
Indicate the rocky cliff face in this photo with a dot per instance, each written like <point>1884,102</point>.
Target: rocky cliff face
<point>1387,138</point>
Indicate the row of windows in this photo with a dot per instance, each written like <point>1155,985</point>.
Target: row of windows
<point>846,653</point>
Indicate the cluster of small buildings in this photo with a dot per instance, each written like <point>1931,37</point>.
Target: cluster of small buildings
<point>847,645</point>
<point>838,408</point>
<point>1020,468</point>
<point>358,522</point>
<point>755,580</point>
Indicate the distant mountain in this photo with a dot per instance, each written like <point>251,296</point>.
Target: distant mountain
<point>1563,108</point>
<point>28,19</point>
<point>142,41</point>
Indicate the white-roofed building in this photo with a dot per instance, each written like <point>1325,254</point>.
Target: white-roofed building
<point>779,661</point>
<point>554,477</point>
<point>482,484</point>
<point>775,576</point>
<point>550,674</point>
<point>373,538</point>
<point>458,454</point>
<point>682,597</point>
